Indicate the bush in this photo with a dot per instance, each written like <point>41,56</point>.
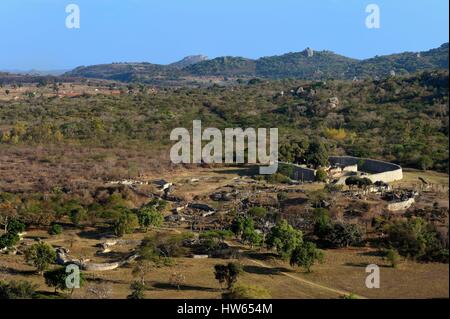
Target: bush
<point>149,216</point>
<point>321,175</point>
<point>418,239</point>
<point>341,235</point>
<point>56,278</point>
<point>8,240</point>
<point>17,290</point>
<point>393,257</point>
<point>15,227</point>
<point>55,229</point>
<point>126,223</point>
<point>227,273</point>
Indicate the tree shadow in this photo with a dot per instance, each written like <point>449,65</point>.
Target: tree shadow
<point>168,286</point>
<point>99,233</point>
<point>377,253</point>
<point>260,256</point>
<point>13,271</point>
<point>264,270</point>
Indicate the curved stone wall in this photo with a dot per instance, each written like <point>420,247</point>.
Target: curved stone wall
<point>378,170</point>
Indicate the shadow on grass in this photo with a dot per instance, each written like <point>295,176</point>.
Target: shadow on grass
<point>376,253</point>
<point>168,286</point>
<point>13,271</point>
<point>260,256</point>
<point>265,271</point>
<point>99,233</point>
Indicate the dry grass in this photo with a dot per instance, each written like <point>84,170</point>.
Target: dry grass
<point>343,269</point>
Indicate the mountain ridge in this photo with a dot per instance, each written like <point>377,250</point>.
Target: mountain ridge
<point>306,64</point>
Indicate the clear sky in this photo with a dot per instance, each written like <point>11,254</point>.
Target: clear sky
<point>34,35</point>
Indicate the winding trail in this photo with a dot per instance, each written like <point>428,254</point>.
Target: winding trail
<point>312,284</point>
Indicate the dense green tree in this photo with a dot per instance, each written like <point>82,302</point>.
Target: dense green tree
<point>306,255</point>
<point>284,238</point>
<point>41,255</point>
<point>126,223</point>
<point>149,216</point>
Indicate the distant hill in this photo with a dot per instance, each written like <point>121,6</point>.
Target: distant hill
<point>308,64</point>
<point>189,60</point>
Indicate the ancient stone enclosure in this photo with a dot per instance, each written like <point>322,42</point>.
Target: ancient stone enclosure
<point>375,170</point>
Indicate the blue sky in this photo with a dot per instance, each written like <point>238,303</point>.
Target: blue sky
<point>34,35</point>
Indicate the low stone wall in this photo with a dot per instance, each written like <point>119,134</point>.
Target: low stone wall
<point>300,173</point>
<point>401,205</point>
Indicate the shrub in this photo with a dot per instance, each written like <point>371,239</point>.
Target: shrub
<point>416,238</point>
<point>55,229</point>
<point>126,223</point>
<point>393,257</point>
<point>17,290</point>
<point>321,175</point>
<point>150,217</point>
<point>227,273</point>
<point>341,235</point>
<point>56,278</point>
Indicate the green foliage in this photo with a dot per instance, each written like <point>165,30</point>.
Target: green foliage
<point>227,274</point>
<point>126,223</point>
<point>338,234</point>
<point>55,229</point>
<point>40,255</point>
<point>306,255</point>
<point>416,238</point>
<point>8,240</point>
<point>257,212</point>
<point>149,216</point>
<point>137,290</point>
<point>317,154</point>
<point>15,227</point>
<point>284,238</point>
<point>17,290</point>
<point>393,257</point>
<point>321,175</point>
<point>56,278</point>
<point>77,215</point>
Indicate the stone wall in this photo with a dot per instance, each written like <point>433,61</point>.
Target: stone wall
<point>401,205</point>
<point>378,170</point>
<point>300,173</point>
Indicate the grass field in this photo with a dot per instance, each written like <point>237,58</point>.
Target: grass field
<point>343,272</point>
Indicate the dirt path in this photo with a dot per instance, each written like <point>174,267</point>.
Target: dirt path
<point>304,281</point>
